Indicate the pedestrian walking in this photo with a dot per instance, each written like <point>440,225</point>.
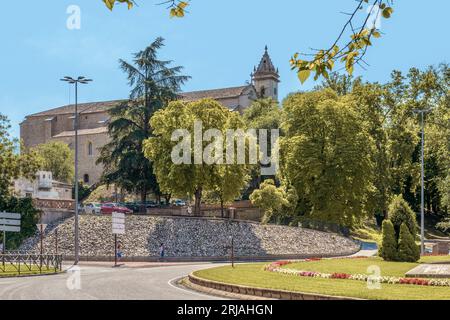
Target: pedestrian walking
<point>119,251</point>
<point>162,251</point>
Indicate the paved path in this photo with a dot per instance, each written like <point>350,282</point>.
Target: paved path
<point>105,283</point>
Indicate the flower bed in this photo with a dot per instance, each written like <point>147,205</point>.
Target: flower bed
<point>277,267</point>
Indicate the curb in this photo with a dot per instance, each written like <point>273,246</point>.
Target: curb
<point>261,292</point>
<point>210,259</point>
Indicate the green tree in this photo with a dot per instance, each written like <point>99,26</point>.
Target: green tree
<point>388,249</point>
<point>275,202</point>
<point>261,114</point>
<point>408,250</point>
<point>30,216</point>
<point>401,213</point>
<point>154,83</point>
<point>186,176</point>
<point>12,164</point>
<point>326,156</point>
<point>57,158</point>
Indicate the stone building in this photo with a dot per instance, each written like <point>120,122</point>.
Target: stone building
<point>58,124</point>
<point>43,187</point>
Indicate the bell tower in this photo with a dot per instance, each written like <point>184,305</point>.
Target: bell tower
<point>265,78</point>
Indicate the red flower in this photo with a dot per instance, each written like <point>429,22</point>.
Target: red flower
<point>340,276</point>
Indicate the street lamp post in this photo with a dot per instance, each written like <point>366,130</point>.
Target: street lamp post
<point>81,80</point>
<point>422,192</point>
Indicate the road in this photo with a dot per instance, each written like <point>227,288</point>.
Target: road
<point>105,283</point>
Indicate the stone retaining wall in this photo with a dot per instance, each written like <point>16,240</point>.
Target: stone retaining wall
<point>194,239</point>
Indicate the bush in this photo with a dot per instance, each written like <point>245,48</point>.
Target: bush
<point>400,212</point>
<point>408,251</point>
<point>388,249</point>
<point>29,219</point>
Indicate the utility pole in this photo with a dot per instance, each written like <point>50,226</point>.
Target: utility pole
<point>422,178</point>
<point>81,80</point>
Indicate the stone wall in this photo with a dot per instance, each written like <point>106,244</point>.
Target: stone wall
<point>87,162</point>
<point>192,238</point>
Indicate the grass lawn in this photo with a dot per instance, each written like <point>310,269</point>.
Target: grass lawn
<point>359,266</point>
<point>254,275</point>
<point>11,270</point>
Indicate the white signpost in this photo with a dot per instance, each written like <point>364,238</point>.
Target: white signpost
<point>9,222</point>
<point>118,223</point>
<point>118,227</point>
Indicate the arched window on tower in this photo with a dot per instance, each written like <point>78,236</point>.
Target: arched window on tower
<point>263,91</point>
<point>86,178</point>
<point>90,150</point>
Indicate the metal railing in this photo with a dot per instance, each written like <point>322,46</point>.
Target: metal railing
<point>11,263</point>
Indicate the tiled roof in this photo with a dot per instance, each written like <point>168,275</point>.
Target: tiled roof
<point>214,94</point>
<point>82,132</point>
<point>103,106</point>
<point>91,107</point>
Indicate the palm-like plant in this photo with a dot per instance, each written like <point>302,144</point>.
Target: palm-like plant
<point>153,84</point>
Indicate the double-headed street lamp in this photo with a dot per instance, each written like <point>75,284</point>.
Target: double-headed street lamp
<point>81,80</point>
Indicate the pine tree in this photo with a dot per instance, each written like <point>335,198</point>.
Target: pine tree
<point>388,249</point>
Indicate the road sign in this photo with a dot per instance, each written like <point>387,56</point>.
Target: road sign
<point>41,227</point>
<point>118,215</point>
<point>9,222</point>
<point>7,215</point>
<point>9,228</point>
<point>118,223</point>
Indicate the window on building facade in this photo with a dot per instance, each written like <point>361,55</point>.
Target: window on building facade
<point>90,149</point>
<point>263,91</point>
<point>86,178</point>
<point>275,91</point>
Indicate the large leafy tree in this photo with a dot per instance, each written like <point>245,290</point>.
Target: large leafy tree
<point>154,83</point>
<point>190,177</point>
<point>57,158</point>
<point>326,156</point>
<point>261,114</point>
<point>12,164</point>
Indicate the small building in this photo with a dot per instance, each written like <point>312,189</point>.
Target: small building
<point>43,187</point>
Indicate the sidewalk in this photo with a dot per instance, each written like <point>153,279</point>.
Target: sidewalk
<point>134,265</point>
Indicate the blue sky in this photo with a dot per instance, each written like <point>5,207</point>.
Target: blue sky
<point>218,43</point>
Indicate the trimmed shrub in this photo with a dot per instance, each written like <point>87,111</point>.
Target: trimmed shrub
<point>388,249</point>
<point>400,212</point>
<point>408,251</point>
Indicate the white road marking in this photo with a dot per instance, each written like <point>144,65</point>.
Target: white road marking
<point>170,282</point>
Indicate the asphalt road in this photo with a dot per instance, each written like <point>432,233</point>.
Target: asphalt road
<point>104,283</point>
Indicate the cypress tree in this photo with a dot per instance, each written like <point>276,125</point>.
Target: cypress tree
<point>388,249</point>
<point>408,251</point>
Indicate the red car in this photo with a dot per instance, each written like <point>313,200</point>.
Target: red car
<point>109,208</point>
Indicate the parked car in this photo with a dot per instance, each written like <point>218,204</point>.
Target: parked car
<point>179,203</point>
<point>92,208</point>
<point>109,208</point>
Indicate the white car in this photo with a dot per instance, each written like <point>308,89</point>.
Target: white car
<point>92,208</point>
